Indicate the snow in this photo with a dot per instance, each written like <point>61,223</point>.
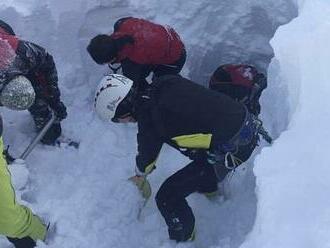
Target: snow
<point>20,174</point>
<point>278,202</point>
<point>293,210</point>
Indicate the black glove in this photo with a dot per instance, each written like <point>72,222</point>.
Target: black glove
<point>60,110</point>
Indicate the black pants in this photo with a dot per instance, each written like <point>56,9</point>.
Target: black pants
<point>41,114</point>
<point>22,243</point>
<point>139,72</point>
<point>198,176</point>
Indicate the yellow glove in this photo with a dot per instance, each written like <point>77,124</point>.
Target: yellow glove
<point>143,185</point>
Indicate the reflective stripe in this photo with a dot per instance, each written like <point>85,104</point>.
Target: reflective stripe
<point>199,140</point>
<point>150,167</point>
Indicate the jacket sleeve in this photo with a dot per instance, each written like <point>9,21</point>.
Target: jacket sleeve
<point>40,64</point>
<point>149,145</point>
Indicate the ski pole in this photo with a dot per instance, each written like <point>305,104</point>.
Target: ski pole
<point>39,136</point>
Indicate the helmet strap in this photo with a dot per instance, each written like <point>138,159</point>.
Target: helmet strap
<point>114,69</point>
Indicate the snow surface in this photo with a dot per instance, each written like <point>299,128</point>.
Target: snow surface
<point>293,207</point>
<point>280,202</point>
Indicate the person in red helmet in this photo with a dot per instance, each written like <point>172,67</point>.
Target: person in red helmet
<point>241,82</point>
<point>23,58</point>
<point>141,47</point>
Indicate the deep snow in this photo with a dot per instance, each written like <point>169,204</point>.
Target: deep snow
<point>85,191</point>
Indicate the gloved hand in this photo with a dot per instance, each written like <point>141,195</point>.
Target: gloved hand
<point>143,185</point>
<point>60,110</point>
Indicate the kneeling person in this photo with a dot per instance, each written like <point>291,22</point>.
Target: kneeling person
<point>23,58</point>
<point>207,126</point>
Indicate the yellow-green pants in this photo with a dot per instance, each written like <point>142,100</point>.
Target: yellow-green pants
<point>16,221</point>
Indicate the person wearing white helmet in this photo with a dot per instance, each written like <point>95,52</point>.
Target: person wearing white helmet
<point>23,58</point>
<point>216,132</point>
<point>111,92</point>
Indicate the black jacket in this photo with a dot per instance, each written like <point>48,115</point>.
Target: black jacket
<point>184,115</point>
<point>32,61</point>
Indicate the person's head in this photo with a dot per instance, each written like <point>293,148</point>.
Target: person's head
<point>17,94</point>
<point>104,49</point>
<point>220,75</point>
<point>242,75</point>
<point>6,27</point>
<point>113,99</point>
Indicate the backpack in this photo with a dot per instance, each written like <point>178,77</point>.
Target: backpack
<point>241,82</point>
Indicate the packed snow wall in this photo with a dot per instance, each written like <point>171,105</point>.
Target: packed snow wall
<point>214,32</point>
<point>293,210</point>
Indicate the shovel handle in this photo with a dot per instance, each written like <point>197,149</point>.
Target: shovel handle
<point>38,137</point>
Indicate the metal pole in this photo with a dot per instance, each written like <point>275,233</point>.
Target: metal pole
<point>39,136</point>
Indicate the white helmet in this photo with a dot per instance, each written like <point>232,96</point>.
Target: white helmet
<point>110,93</point>
<point>18,94</point>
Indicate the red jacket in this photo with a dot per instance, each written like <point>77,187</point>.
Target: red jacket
<point>153,43</point>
